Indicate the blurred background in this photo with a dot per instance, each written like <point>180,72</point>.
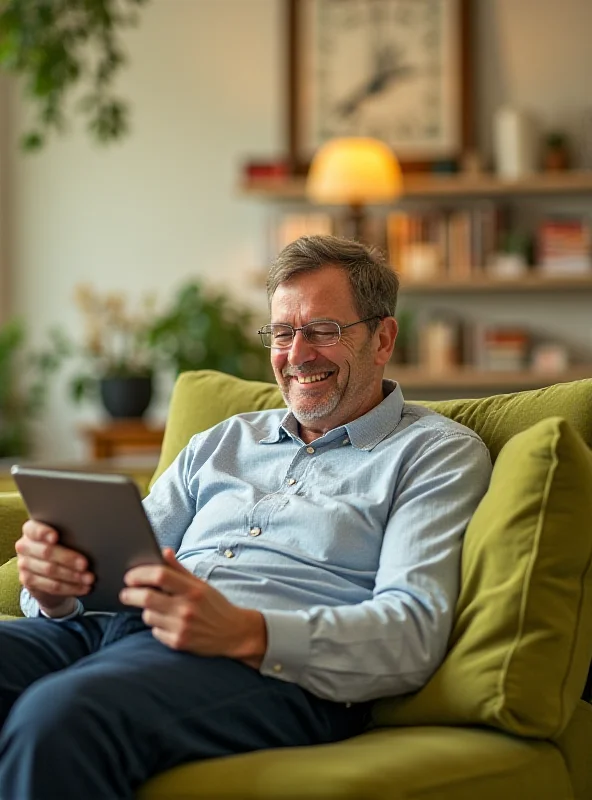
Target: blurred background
<point>160,239</point>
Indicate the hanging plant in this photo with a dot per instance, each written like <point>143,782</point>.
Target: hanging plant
<point>58,44</point>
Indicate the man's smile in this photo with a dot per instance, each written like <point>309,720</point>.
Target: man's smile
<point>314,378</point>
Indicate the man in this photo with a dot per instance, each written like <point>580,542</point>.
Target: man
<point>312,564</point>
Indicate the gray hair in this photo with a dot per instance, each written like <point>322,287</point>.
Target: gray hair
<point>373,283</point>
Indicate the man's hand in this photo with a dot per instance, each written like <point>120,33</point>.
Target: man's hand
<point>188,614</point>
<point>54,575</point>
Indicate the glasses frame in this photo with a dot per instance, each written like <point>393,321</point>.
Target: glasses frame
<point>303,328</point>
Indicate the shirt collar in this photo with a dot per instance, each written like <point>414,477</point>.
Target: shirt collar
<point>365,432</point>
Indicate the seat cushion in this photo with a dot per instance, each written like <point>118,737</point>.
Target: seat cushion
<point>428,763</point>
<point>522,639</point>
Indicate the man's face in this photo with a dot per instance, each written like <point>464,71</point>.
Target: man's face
<point>347,375</point>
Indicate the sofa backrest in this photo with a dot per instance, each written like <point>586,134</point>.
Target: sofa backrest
<point>203,398</point>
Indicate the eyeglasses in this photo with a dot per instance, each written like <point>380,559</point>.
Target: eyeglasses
<point>324,333</point>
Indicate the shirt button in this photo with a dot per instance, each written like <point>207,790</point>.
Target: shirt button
<point>348,705</point>
<point>229,554</point>
<point>255,531</point>
<point>310,450</point>
<point>277,668</point>
<point>345,441</point>
<point>291,481</point>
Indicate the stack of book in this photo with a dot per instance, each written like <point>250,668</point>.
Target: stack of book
<point>565,246</point>
<point>505,349</point>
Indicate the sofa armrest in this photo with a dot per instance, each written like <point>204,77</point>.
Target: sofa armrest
<point>12,516</point>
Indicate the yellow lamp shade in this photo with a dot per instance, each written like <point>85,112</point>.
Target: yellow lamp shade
<point>354,170</point>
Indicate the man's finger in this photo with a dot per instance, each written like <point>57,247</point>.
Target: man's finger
<point>38,583</point>
<point>161,576</point>
<point>145,597</point>
<point>47,569</point>
<point>51,552</point>
<point>171,559</point>
<point>39,531</point>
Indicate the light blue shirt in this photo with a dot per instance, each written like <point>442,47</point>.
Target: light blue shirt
<point>349,546</point>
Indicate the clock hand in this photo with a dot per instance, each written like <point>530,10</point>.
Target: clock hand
<point>377,84</point>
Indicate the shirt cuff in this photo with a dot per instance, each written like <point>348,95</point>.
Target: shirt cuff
<point>288,644</point>
<point>76,613</point>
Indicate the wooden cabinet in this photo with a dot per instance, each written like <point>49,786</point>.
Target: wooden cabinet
<point>122,438</point>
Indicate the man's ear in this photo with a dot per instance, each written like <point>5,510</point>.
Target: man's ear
<point>387,334</point>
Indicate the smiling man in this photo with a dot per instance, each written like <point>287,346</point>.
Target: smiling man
<point>312,564</point>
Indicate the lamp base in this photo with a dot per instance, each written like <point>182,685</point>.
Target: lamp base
<point>355,223</point>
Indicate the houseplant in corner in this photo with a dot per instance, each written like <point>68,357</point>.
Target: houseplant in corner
<point>23,385</point>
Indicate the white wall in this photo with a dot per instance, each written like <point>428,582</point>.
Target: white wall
<point>206,80</point>
<point>534,54</point>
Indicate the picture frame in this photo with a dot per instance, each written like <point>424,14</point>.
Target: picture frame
<point>398,70</point>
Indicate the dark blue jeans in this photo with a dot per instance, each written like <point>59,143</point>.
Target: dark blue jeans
<point>93,707</point>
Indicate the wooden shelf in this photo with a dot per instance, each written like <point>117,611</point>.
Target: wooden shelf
<point>414,378</point>
<point>486,283</point>
<point>429,185</point>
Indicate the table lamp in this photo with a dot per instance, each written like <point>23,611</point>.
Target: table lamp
<point>355,171</point>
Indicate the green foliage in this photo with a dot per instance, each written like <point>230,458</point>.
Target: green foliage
<point>23,385</point>
<point>206,330</point>
<point>57,44</point>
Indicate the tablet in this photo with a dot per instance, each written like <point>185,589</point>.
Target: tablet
<point>100,516</point>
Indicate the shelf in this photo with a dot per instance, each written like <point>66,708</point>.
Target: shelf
<point>414,378</point>
<point>429,185</point>
<point>485,283</point>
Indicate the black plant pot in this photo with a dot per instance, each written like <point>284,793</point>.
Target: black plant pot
<point>126,397</point>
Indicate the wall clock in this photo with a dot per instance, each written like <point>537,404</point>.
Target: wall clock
<point>392,69</point>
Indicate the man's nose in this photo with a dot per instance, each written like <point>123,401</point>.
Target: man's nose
<point>301,350</point>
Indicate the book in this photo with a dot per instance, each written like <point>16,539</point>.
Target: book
<point>564,246</point>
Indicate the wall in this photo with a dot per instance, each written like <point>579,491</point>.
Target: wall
<point>534,54</point>
<point>206,80</point>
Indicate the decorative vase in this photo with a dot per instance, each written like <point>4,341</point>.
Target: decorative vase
<point>126,397</point>
<point>514,143</point>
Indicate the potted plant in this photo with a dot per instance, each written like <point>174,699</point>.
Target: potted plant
<point>556,151</point>
<point>122,350</point>
<point>117,358</point>
<point>23,386</point>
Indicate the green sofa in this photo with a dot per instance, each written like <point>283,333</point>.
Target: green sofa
<point>503,715</point>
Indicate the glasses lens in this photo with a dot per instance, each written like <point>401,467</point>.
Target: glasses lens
<point>322,334</point>
<point>276,336</point>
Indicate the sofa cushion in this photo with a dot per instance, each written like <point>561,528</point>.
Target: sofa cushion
<point>9,589</point>
<point>499,417</point>
<point>522,638</point>
<point>431,763</point>
<point>203,398</point>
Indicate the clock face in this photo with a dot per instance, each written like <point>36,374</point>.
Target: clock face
<point>383,68</point>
